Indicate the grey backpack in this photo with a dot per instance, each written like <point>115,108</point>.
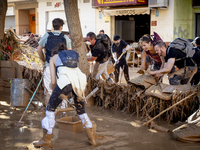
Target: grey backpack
<point>183,45</point>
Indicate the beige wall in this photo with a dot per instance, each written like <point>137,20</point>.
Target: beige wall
<point>37,21</point>
<point>22,22</point>
<point>32,11</point>
<point>101,24</point>
<point>22,17</point>
<point>165,22</point>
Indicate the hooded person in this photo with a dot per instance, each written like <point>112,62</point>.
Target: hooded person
<point>70,79</point>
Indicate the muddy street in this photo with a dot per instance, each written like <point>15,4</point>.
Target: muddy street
<point>115,130</point>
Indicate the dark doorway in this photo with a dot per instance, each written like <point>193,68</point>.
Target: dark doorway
<point>197,26</point>
<point>131,28</point>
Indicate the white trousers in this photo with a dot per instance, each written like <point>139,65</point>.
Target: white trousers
<point>48,122</point>
<point>47,84</point>
<point>100,69</point>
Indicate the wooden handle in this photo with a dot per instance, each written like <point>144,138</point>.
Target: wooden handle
<point>169,108</point>
<point>121,55</point>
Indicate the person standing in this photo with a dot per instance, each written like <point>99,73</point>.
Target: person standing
<point>99,55</point>
<point>50,41</point>
<point>118,47</point>
<point>196,58</point>
<point>70,79</point>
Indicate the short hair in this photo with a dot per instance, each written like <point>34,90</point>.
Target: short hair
<point>101,31</point>
<point>92,35</point>
<point>116,37</point>
<point>198,41</point>
<point>57,23</point>
<point>160,44</point>
<point>138,48</point>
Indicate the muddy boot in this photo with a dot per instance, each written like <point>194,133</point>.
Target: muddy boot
<point>45,140</point>
<point>91,136</point>
<point>94,128</point>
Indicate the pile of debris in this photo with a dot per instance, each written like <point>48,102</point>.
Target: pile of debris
<point>25,55</point>
<point>32,41</point>
<point>146,98</point>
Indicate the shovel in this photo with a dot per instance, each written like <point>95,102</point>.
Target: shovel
<point>112,66</point>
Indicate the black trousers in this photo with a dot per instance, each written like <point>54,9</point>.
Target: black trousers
<point>122,63</point>
<point>56,99</point>
<point>195,79</point>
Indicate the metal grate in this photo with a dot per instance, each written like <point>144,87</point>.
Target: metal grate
<point>86,1</point>
<point>195,2</point>
<point>49,3</point>
<point>153,2</point>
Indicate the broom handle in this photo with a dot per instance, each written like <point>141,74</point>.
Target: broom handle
<point>31,99</point>
<point>169,108</point>
<point>91,93</point>
<point>120,56</point>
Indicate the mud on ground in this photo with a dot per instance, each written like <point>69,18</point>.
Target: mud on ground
<point>115,131</point>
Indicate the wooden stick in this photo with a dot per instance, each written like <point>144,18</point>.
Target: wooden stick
<point>169,108</point>
<point>121,75</point>
<point>91,93</point>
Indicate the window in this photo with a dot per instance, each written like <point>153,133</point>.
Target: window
<point>195,3</point>
<point>86,1</point>
<point>49,3</point>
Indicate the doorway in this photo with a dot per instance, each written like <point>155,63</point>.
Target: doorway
<point>32,23</point>
<point>132,28</point>
<point>197,25</point>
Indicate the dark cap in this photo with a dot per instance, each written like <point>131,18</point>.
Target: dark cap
<point>116,37</point>
<point>198,41</point>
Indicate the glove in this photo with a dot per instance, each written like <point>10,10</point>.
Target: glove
<point>123,50</point>
<point>116,62</point>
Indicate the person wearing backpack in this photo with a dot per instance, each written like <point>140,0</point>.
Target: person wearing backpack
<point>118,47</point>
<point>107,43</point>
<point>179,67</point>
<point>99,55</point>
<point>70,79</point>
<point>196,58</point>
<point>50,41</point>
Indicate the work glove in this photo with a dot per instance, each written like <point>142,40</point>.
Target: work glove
<point>116,62</point>
<point>123,50</point>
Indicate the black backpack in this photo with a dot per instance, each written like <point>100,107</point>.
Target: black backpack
<point>69,58</point>
<point>105,40</point>
<point>52,42</point>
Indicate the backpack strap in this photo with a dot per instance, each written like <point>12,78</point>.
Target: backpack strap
<point>57,69</point>
<point>50,33</point>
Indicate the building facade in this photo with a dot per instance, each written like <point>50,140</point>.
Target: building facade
<point>129,18</point>
<point>22,16</point>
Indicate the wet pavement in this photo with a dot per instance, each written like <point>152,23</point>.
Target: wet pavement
<point>116,130</point>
